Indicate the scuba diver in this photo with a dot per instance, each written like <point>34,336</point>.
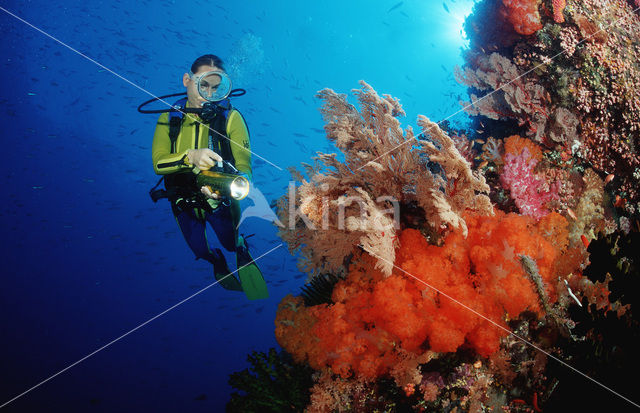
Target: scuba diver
<point>202,150</point>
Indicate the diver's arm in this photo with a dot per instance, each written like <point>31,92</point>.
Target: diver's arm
<point>240,146</point>
<point>165,162</point>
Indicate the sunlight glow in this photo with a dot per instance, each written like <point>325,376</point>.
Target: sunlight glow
<point>454,13</point>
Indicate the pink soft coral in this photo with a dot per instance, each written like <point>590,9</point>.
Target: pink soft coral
<point>530,192</point>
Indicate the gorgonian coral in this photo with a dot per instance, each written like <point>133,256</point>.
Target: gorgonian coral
<point>505,93</point>
<point>343,205</point>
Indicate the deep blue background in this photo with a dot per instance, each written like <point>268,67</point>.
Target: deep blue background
<point>86,255</point>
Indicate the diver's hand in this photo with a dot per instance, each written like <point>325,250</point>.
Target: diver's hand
<point>207,192</point>
<point>203,158</point>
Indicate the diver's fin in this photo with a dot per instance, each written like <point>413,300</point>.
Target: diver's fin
<point>222,273</point>
<point>251,278</point>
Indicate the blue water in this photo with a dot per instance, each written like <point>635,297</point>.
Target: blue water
<point>90,265</point>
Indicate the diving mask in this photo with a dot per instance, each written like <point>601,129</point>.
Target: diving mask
<point>213,86</point>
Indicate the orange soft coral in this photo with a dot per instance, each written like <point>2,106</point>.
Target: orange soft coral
<point>558,7</point>
<point>515,144</point>
<point>555,229</point>
<point>377,321</point>
<point>523,15</point>
<point>291,318</point>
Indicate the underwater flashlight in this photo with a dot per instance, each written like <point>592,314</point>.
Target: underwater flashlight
<point>224,184</point>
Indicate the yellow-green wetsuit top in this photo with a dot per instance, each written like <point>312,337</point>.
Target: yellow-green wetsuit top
<point>195,135</point>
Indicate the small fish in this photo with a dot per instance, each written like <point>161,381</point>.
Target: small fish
<point>445,7</point>
<point>534,401</point>
<point>609,178</point>
<point>584,240</point>
<point>483,164</point>
<point>480,141</point>
<point>479,131</point>
<point>31,94</point>
<point>571,294</point>
<point>37,187</point>
<point>571,214</point>
<point>397,5</point>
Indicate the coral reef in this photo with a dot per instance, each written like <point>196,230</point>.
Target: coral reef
<point>461,270</point>
<point>335,394</point>
<point>459,278</point>
<point>572,84</point>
